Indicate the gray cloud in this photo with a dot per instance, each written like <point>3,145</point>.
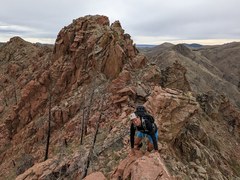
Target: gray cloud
<point>157,19</point>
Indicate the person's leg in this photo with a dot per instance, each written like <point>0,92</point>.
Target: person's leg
<point>149,146</point>
<point>137,143</point>
<point>150,142</point>
<point>138,140</point>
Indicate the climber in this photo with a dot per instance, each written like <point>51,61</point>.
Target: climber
<point>143,123</point>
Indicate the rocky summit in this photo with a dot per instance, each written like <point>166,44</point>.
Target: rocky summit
<point>64,109</point>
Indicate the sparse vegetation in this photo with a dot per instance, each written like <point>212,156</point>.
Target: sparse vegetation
<point>235,166</point>
<point>23,163</point>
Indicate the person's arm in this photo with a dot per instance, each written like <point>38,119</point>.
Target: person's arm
<point>132,133</point>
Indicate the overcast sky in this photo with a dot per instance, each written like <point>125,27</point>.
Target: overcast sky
<point>147,21</point>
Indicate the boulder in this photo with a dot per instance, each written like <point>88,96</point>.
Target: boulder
<point>142,167</point>
<point>95,176</point>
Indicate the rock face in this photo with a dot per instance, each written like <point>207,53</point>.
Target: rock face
<point>217,106</point>
<point>87,85</point>
<point>94,47</point>
<point>21,97</point>
<point>175,77</point>
<point>163,104</point>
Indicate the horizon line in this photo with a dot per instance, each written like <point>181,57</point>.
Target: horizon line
<point>140,42</point>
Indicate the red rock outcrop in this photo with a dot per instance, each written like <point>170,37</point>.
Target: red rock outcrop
<point>164,104</point>
<point>96,175</point>
<point>175,77</point>
<point>90,46</point>
<point>137,167</point>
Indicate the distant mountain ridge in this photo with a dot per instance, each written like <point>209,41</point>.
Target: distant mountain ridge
<point>193,45</point>
<point>145,45</point>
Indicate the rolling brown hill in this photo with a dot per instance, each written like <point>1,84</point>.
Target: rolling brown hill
<point>204,73</point>
<point>87,85</point>
<point>226,59</point>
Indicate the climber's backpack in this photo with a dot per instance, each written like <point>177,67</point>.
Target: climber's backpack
<point>142,112</point>
<point>147,117</point>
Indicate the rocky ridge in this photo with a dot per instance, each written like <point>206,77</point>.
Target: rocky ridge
<point>94,78</point>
